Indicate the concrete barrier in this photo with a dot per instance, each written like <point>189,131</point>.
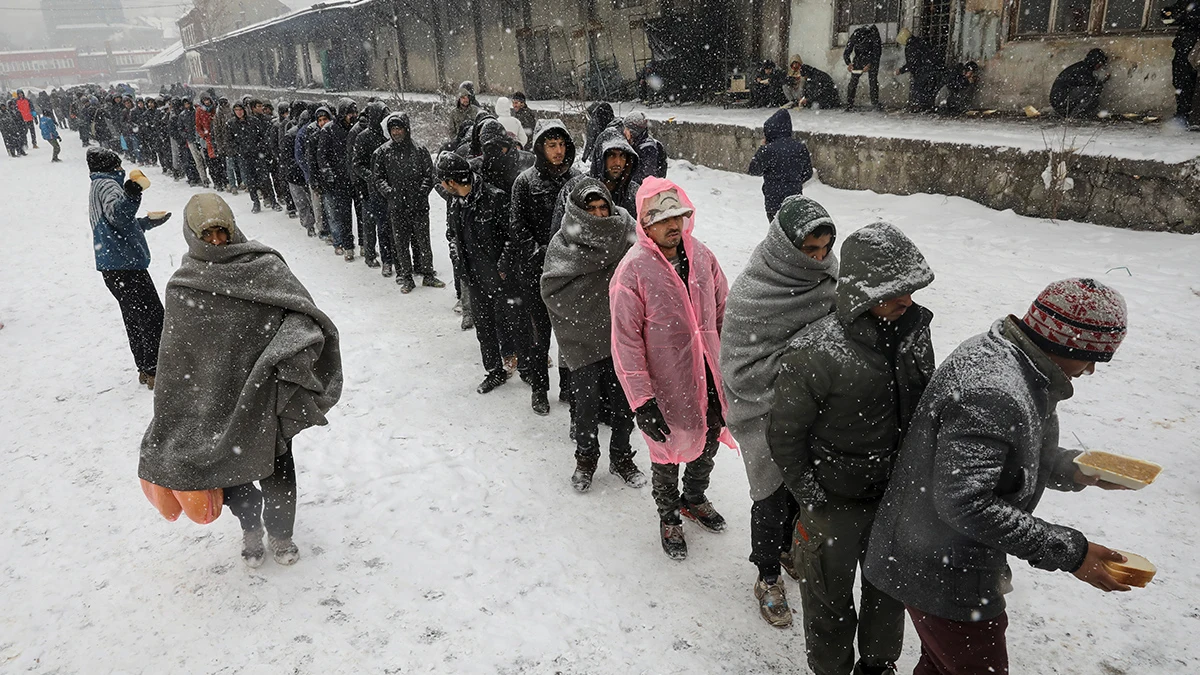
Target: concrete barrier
<point>1126,193</point>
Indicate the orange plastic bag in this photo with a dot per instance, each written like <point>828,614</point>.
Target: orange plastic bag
<point>201,506</point>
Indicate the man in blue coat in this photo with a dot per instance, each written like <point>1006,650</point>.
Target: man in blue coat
<point>782,161</point>
<point>122,254</point>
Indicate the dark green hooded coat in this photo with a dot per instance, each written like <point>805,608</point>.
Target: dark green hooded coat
<point>848,387</point>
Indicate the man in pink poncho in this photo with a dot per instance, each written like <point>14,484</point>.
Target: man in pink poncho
<point>668,301</point>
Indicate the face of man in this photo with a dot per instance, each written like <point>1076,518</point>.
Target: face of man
<point>464,101</point>
<point>816,247</point>
<point>666,233</point>
<point>239,113</point>
<point>398,134</point>
<point>456,188</point>
<point>518,106</point>
<point>322,121</point>
<point>555,150</point>
<point>217,236</point>
<point>614,165</point>
<point>1073,368</point>
<point>258,109</point>
<point>351,118</point>
<point>892,310</point>
<point>598,207</point>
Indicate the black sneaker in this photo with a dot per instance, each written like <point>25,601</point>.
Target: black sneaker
<point>406,283</point>
<point>673,542</point>
<point>704,514</point>
<point>431,281</point>
<point>541,405</point>
<point>372,262</point>
<point>257,208</point>
<point>585,468</point>
<point>628,471</point>
<point>494,379</point>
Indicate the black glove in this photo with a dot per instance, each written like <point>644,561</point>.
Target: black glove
<point>133,189</point>
<point>651,422</point>
<point>329,176</point>
<point>809,493</point>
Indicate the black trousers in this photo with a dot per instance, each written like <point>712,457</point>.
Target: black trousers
<point>142,311</point>
<point>872,79</point>
<point>696,475</point>
<point>279,491</point>
<point>1080,101</point>
<point>539,343</point>
<point>1183,78</point>
<point>489,309</point>
<point>772,521</point>
<point>411,244</point>
<point>597,392</point>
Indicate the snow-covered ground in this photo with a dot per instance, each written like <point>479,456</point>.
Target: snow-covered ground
<point>1164,141</point>
<point>438,528</point>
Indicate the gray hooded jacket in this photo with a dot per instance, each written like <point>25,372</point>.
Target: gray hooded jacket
<point>850,382</point>
<point>780,292</point>
<point>979,455</point>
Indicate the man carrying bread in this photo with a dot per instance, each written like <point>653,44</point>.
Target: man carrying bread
<point>981,450</point>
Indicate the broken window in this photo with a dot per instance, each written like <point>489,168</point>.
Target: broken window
<point>854,13</point>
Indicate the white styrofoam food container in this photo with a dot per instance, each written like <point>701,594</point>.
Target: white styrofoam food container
<point>1119,479</point>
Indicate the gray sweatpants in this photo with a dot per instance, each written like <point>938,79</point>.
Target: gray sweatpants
<point>303,201</point>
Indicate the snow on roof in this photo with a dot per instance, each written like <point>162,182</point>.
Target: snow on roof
<point>168,55</point>
<point>305,7</point>
<point>59,50</point>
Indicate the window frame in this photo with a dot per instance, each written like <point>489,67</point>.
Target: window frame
<point>887,29</point>
<point>1097,14</point>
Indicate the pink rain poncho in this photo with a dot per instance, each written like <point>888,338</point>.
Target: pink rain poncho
<point>663,333</point>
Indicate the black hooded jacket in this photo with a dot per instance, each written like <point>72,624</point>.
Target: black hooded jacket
<point>534,196</point>
<point>783,162</point>
<point>624,193</point>
<point>479,225</point>
<point>502,158</point>
<point>333,167</point>
<point>1079,74</point>
<point>292,172</point>
<point>364,144</point>
<point>403,172</point>
<point>864,48</point>
<point>600,115</point>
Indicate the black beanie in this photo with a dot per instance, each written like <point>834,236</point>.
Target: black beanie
<point>455,167</point>
<point>102,160</point>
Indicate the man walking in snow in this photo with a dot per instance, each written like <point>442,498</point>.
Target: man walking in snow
<point>788,283</point>
<point>981,451</point>
<point>28,117</point>
<point>402,175</point>
<point>534,195</point>
<point>843,398</point>
<point>248,361</point>
<point>667,302</point>
<point>580,262</point>
<point>50,134</point>
<point>782,161</point>
<point>122,254</point>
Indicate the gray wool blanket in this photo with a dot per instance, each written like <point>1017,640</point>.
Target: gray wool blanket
<point>246,362</point>
<point>780,292</point>
<point>580,261</point>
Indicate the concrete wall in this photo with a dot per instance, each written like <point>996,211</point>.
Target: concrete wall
<point>1131,194</point>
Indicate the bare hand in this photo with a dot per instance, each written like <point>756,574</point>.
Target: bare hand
<point>1083,479</point>
<point>866,67</point>
<point>849,68</point>
<point>503,276</point>
<point>1095,573</point>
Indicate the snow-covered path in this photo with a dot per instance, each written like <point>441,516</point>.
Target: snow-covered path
<point>438,529</point>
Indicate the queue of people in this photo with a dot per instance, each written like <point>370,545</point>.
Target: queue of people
<point>860,453</point>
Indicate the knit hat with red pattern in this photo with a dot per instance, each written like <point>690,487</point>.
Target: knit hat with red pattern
<point>1078,319</point>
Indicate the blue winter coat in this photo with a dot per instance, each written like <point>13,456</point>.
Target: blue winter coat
<point>49,128</point>
<point>118,234</point>
<point>784,162</point>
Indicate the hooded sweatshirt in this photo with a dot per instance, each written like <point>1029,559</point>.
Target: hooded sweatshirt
<point>403,172</point>
<point>665,334</point>
<point>849,384</point>
<point>783,162</point>
<point>580,262</point>
<point>534,195</point>
<point>780,292</point>
<point>247,361</point>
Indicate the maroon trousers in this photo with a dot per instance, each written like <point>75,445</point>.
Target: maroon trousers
<point>960,647</point>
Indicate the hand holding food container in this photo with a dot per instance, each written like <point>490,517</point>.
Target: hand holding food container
<point>1110,471</point>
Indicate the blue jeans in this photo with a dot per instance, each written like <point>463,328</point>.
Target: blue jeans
<point>338,213</point>
<point>234,173</point>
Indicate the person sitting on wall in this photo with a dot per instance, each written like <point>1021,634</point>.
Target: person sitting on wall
<point>767,88</point>
<point>960,86</point>
<point>1076,90</point>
